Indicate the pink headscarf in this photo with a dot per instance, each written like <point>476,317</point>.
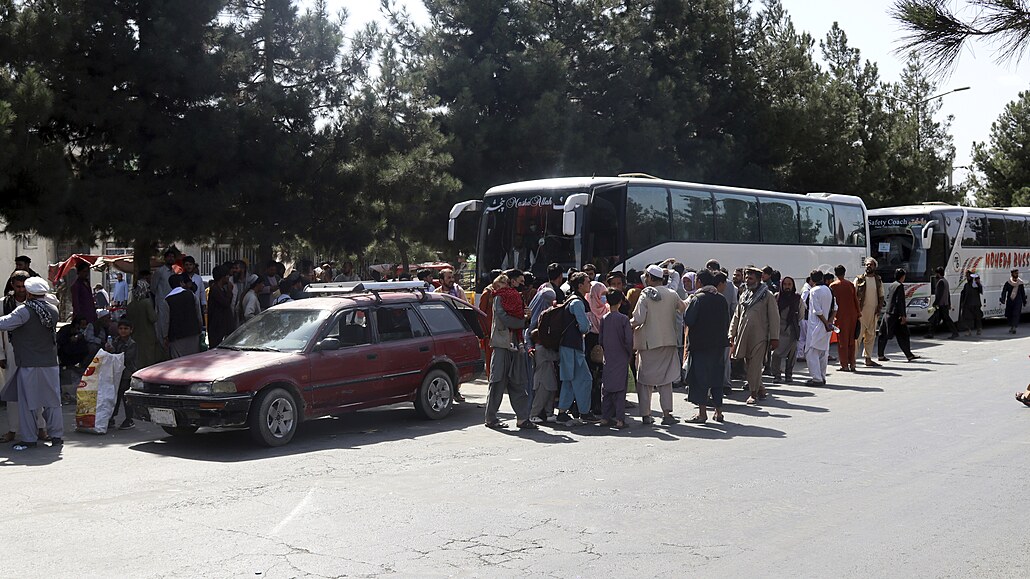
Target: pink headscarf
<point>598,305</point>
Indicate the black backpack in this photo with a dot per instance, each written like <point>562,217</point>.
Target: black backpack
<point>551,326</point>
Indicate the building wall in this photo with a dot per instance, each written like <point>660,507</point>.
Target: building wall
<point>40,249</point>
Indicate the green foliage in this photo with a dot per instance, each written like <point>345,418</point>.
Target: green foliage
<point>939,32</point>
<point>257,121</point>
<point>397,158</point>
<point>1002,177</point>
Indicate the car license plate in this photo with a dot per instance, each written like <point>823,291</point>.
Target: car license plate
<point>162,416</point>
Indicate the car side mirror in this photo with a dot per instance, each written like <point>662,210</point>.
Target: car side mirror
<point>328,344</point>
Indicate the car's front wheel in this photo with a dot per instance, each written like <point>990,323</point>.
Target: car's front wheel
<point>274,417</point>
<point>179,430</point>
<point>436,395</point>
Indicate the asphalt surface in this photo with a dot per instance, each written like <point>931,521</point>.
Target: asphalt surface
<point>912,470</point>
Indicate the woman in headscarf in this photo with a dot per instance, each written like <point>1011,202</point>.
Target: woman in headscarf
<point>141,313</point>
<point>789,303</point>
<point>689,282</point>
<point>970,302</point>
<point>597,299</point>
<point>1013,297</point>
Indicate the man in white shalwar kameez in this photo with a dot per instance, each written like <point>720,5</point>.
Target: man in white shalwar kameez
<point>820,328</point>
<point>36,384</point>
<point>8,365</point>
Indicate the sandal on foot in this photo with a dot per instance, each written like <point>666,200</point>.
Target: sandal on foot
<point>719,418</point>
<point>9,437</point>
<point>697,419</point>
<point>620,424</point>
<point>751,400</point>
<point>527,425</point>
<point>496,425</point>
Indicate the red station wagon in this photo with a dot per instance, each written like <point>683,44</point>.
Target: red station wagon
<point>352,346</point>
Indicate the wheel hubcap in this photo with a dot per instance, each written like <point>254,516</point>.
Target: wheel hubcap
<point>439,394</point>
<point>279,419</point>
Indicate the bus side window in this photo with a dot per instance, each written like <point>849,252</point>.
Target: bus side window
<point>736,218</point>
<point>851,223</point>
<point>817,224</point>
<point>1015,231</point>
<point>779,220</point>
<point>996,225</point>
<point>692,215</point>
<point>975,232</point>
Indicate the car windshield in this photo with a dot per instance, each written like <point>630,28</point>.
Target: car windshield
<point>277,331</point>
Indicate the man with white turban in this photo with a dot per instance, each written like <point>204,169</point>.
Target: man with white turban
<point>36,383</point>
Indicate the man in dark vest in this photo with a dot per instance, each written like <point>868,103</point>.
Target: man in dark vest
<point>36,384</point>
<point>179,318</point>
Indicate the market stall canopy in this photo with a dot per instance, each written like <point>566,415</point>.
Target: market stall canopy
<point>122,263</point>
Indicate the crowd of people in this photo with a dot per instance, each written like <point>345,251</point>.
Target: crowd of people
<point>566,349</point>
<point>585,342</point>
<point>168,313</point>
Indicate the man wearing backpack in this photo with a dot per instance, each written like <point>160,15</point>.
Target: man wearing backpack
<point>575,376</point>
<point>545,359</point>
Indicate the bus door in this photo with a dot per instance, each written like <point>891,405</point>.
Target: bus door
<point>603,233</point>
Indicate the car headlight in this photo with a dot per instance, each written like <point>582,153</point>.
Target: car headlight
<point>919,303</point>
<point>219,387</point>
<point>136,384</point>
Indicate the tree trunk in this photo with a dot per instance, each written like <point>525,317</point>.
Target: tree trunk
<point>264,255</point>
<point>402,248</point>
<point>142,251</point>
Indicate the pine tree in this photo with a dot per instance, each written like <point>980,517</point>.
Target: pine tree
<point>1002,177</point>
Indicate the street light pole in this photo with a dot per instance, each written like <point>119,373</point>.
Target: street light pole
<point>919,117</point>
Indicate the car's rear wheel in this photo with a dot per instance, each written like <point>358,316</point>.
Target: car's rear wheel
<point>436,395</point>
<point>180,430</point>
<point>274,417</point>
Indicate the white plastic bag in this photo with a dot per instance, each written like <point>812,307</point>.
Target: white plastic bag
<point>97,392</point>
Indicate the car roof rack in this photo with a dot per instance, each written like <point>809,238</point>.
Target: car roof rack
<point>374,288</point>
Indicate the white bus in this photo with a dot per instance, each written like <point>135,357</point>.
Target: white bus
<point>630,221</point>
<point>920,238</point>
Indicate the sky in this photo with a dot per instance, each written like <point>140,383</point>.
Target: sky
<point>876,34</point>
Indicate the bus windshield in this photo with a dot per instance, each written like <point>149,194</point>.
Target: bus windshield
<point>896,241</point>
<point>524,231</point>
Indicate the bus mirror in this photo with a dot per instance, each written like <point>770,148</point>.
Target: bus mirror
<point>458,209</point>
<point>927,233</point>
<point>568,223</point>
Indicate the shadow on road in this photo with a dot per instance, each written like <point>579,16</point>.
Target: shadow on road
<point>43,454</point>
<point>857,388</point>
<point>710,430</point>
<point>791,393</point>
<point>773,402</point>
<point>350,431</point>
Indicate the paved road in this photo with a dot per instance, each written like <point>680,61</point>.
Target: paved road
<point>918,469</point>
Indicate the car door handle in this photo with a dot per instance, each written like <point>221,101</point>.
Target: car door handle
<point>372,356</point>
<point>423,349</point>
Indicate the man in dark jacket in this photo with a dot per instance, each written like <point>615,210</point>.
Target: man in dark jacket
<point>708,322</point>
<point>942,305</point>
<point>179,318</point>
<point>895,322</point>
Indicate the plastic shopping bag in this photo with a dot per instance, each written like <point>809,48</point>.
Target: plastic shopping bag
<point>97,392</point>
